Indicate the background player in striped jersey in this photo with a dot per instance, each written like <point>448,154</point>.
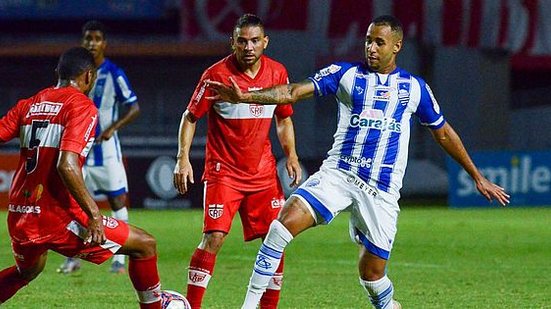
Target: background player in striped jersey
<point>365,166</point>
<point>49,205</point>
<point>104,170</point>
<point>240,169</point>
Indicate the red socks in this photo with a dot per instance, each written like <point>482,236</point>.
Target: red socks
<point>10,283</point>
<point>145,278</point>
<point>270,298</point>
<point>200,271</point>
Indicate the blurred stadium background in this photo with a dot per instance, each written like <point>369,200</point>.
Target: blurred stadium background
<point>488,62</point>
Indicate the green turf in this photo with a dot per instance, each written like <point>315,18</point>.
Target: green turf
<point>442,258</point>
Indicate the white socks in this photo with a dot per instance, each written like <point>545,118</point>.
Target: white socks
<point>267,262</point>
<point>121,214</point>
<point>380,292</point>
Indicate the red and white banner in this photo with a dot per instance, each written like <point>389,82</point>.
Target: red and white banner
<point>521,27</point>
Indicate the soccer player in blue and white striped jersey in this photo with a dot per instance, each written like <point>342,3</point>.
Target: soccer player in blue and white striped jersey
<point>364,168</point>
<point>104,170</point>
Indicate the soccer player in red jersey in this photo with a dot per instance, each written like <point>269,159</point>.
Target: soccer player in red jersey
<point>240,169</point>
<point>49,205</point>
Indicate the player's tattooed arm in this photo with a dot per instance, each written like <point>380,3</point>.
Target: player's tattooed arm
<point>274,95</point>
<point>280,94</point>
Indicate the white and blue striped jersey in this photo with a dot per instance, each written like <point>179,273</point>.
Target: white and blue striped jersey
<point>110,90</point>
<point>373,126</point>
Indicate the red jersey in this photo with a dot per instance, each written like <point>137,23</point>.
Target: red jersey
<point>54,119</point>
<point>239,151</point>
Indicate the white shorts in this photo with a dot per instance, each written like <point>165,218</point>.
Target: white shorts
<point>109,178</point>
<point>374,213</point>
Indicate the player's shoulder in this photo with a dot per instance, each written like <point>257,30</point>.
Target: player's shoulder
<point>109,66</point>
<point>222,66</point>
<point>404,74</point>
<point>340,67</point>
<point>76,99</point>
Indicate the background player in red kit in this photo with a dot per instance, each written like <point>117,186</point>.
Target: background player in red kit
<point>49,206</point>
<point>240,169</point>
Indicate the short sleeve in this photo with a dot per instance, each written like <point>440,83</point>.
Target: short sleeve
<point>10,124</point>
<point>79,126</point>
<point>428,109</point>
<point>326,81</point>
<point>123,90</point>
<point>198,104</point>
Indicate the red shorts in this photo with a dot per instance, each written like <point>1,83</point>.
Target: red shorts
<point>257,209</point>
<point>70,242</point>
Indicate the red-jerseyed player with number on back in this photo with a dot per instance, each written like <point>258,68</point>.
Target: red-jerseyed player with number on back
<point>49,206</point>
<point>240,171</point>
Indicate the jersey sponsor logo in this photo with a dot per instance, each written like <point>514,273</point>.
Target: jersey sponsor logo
<point>332,69</point>
<point>44,109</point>
<point>373,119</point>
<point>277,203</point>
<point>357,161</point>
<point>35,195</point>
<point>200,93</point>
<point>382,95</point>
<point>254,88</point>
<point>110,222</point>
<point>215,210</point>
<point>88,147</point>
<point>90,126</point>
<point>360,184</point>
<point>256,109</point>
<point>24,209</point>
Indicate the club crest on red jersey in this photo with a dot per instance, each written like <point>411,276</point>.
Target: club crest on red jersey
<point>215,210</point>
<point>110,222</point>
<point>256,109</point>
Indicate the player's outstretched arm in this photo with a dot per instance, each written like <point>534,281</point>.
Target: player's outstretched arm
<point>286,135</point>
<point>280,94</point>
<point>451,143</point>
<point>183,171</point>
<point>69,169</point>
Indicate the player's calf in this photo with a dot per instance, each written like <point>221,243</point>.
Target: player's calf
<point>267,262</point>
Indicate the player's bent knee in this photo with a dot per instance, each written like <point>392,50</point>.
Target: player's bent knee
<point>296,216</point>
<point>213,241</point>
<point>140,244</point>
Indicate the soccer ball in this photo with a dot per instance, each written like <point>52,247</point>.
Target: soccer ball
<point>173,300</point>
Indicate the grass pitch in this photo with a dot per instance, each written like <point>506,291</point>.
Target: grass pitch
<point>442,258</point>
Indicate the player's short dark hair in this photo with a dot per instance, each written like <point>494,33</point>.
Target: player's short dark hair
<point>391,21</point>
<point>249,20</point>
<point>74,62</point>
<point>94,25</point>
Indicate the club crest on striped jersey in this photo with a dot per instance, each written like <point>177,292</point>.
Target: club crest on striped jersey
<point>256,110</point>
<point>44,109</point>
